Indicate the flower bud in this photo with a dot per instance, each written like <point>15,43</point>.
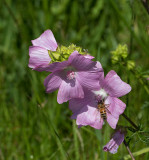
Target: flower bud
<point>120,52</point>
<point>130,64</point>
<point>114,143</point>
<point>62,53</point>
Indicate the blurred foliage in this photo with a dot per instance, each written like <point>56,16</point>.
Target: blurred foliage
<point>33,125</point>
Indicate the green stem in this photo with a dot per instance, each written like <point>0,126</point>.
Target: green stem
<point>131,122</point>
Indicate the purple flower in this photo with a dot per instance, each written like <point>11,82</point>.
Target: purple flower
<point>72,77</point>
<point>114,143</point>
<point>38,53</point>
<point>86,111</point>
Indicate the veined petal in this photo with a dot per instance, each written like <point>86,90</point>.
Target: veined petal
<point>86,116</point>
<point>76,104</point>
<point>53,67</point>
<point>38,57</point>
<point>90,79</point>
<point>85,111</point>
<point>46,40</point>
<point>52,82</point>
<point>98,123</point>
<point>41,68</point>
<point>114,86</point>
<point>115,106</point>
<point>57,66</point>
<point>112,120</point>
<point>89,115</point>
<point>69,89</point>
<point>79,62</point>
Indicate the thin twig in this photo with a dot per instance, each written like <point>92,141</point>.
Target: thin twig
<point>131,122</point>
<point>131,155</point>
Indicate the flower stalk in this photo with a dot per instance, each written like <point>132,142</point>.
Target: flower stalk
<point>131,155</point>
<point>131,122</point>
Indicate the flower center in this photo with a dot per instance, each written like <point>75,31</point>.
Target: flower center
<point>101,94</point>
<point>70,75</point>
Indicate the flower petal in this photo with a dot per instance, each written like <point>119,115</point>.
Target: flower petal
<point>52,82</point>
<point>69,89</point>
<point>79,62</point>
<point>114,86</point>
<point>86,115</point>
<point>89,116</point>
<point>41,68</point>
<point>85,111</point>
<point>46,40</point>
<point>56,66</point>
<point>89,56</point>
<point>114,143</point>
<point>38,57</point>
<point>116,106</point>
<point>98,123</point>
<point>77,104</point>
<point>112,120</point>
<point>90,79</point>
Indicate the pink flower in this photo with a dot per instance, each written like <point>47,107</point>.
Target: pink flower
<point>86,111</point>
<point>114,143</point>
<point>89,56</point>
<point>38,53</point>
<point>72,77</point>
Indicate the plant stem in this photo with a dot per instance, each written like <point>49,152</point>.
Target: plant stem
<point>131,155</point>
<point>130,121</point>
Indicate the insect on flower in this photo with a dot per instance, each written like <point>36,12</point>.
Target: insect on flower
<point>101,105</point>
<point>103,109</point>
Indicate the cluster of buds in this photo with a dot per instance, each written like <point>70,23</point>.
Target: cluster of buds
<point>62,53</point>
<point>120,52</point>
<point>120,55</point>
<point>92,97</point>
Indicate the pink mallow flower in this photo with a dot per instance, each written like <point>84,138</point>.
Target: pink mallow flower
<point>38,53</point>
<point>86,111</point>
<point>114,143</point>
<point>71,77</point>
<point>89,56</point>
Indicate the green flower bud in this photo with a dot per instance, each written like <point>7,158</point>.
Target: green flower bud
<point>115,59</point>
<point>120,52</point>
<point>130,64</point>
<point>62,53</point>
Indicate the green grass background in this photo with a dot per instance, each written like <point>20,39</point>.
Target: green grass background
<point>32,124</point>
